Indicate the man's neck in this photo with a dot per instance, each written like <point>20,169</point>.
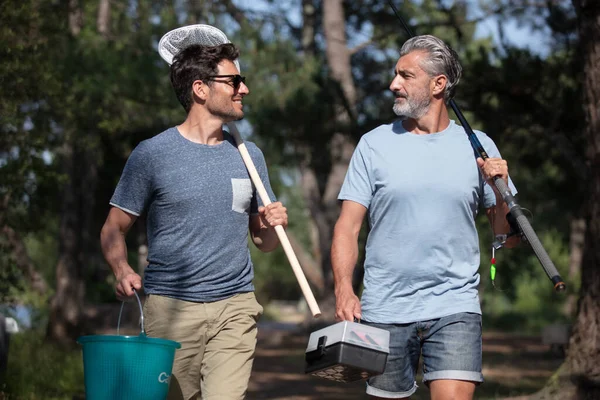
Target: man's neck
<point>203,129</point>
<point>435,120</point>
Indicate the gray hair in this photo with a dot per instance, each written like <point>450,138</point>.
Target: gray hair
<point>441,60</point>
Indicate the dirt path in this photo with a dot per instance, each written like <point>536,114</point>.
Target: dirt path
<point>513,366</point>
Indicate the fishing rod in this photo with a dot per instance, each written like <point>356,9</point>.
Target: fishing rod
<point>517,220</point>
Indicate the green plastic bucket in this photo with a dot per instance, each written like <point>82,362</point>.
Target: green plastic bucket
<point>127,367</point>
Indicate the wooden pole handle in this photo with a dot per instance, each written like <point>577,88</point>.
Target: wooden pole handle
<point>283,239</point>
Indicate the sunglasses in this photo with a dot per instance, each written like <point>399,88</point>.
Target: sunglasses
<point>235,80</point>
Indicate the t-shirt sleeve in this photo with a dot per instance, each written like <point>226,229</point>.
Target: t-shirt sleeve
<point>261,167</point>
<point>134,189</point>
<point>489,198</point>
<point>358,185</point>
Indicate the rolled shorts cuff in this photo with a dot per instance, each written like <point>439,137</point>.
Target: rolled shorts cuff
<point>458,375</point>
<point>373,391</point>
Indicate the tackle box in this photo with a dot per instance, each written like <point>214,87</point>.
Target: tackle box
<point>347,352</point>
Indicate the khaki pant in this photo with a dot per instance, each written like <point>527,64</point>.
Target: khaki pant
<point>217,344</point>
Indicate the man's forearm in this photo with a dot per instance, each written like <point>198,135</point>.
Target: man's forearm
<point>500,224</point>
<point>344,255</point>
<point>266,239</point>
<point>114,249</point>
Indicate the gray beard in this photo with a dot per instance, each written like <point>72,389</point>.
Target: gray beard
<point>412,108</point>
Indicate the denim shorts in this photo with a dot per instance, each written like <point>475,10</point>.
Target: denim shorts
<point>451,348</point>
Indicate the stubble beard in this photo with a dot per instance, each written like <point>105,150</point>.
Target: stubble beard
<point>228,114</point>
<point>233,116</point>
<point>413,107</point>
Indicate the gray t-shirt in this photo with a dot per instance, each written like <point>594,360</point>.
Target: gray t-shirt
<point>198,200</point>
<point>422,193</point>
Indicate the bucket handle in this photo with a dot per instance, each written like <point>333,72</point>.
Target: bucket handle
<point>143,332</point>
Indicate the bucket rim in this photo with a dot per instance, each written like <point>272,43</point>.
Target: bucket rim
<point>128,339</point>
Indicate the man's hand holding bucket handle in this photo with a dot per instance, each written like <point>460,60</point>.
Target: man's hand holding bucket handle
<point>126,282</point>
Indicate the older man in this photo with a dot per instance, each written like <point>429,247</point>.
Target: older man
<point>421,185</point>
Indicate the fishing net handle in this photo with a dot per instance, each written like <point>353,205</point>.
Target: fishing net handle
<point>279,230</point>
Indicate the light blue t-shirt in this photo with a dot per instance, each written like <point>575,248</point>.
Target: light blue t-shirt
<point>422,193</point>
<point>198,200</point>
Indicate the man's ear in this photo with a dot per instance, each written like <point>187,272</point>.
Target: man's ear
<point>438,84</point>
<point>200,89</point>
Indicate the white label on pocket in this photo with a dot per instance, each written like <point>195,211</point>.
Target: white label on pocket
<point>242,195</point>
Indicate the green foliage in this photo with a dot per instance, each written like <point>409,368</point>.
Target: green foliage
<point>42,249</point>
<point>28,81</point>
<point>289,105</point>
<point>88,95</point>
<point>273,277</point>
<point>524,299</point>
<point>11,278</point>
<point>38,370</point>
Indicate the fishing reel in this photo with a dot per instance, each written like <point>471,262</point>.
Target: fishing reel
<point>499,240</point>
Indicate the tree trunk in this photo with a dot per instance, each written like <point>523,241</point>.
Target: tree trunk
<point>78,238</point>
<point>65,308</point>
<point>341,145</point>
<point>103,20</point>
<point>321,186</point>
<point>309,26</point>
<point>75,17</point>
<point>338,56</point>
<point>584,347</point>
<point>67,319</point>
<point>64,323</point>
<point>576,245</point>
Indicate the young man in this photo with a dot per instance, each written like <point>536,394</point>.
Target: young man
<point>200,204</point>
<point>421,184</point>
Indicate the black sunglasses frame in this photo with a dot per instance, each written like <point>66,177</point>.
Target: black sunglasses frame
<point>236,80</point>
